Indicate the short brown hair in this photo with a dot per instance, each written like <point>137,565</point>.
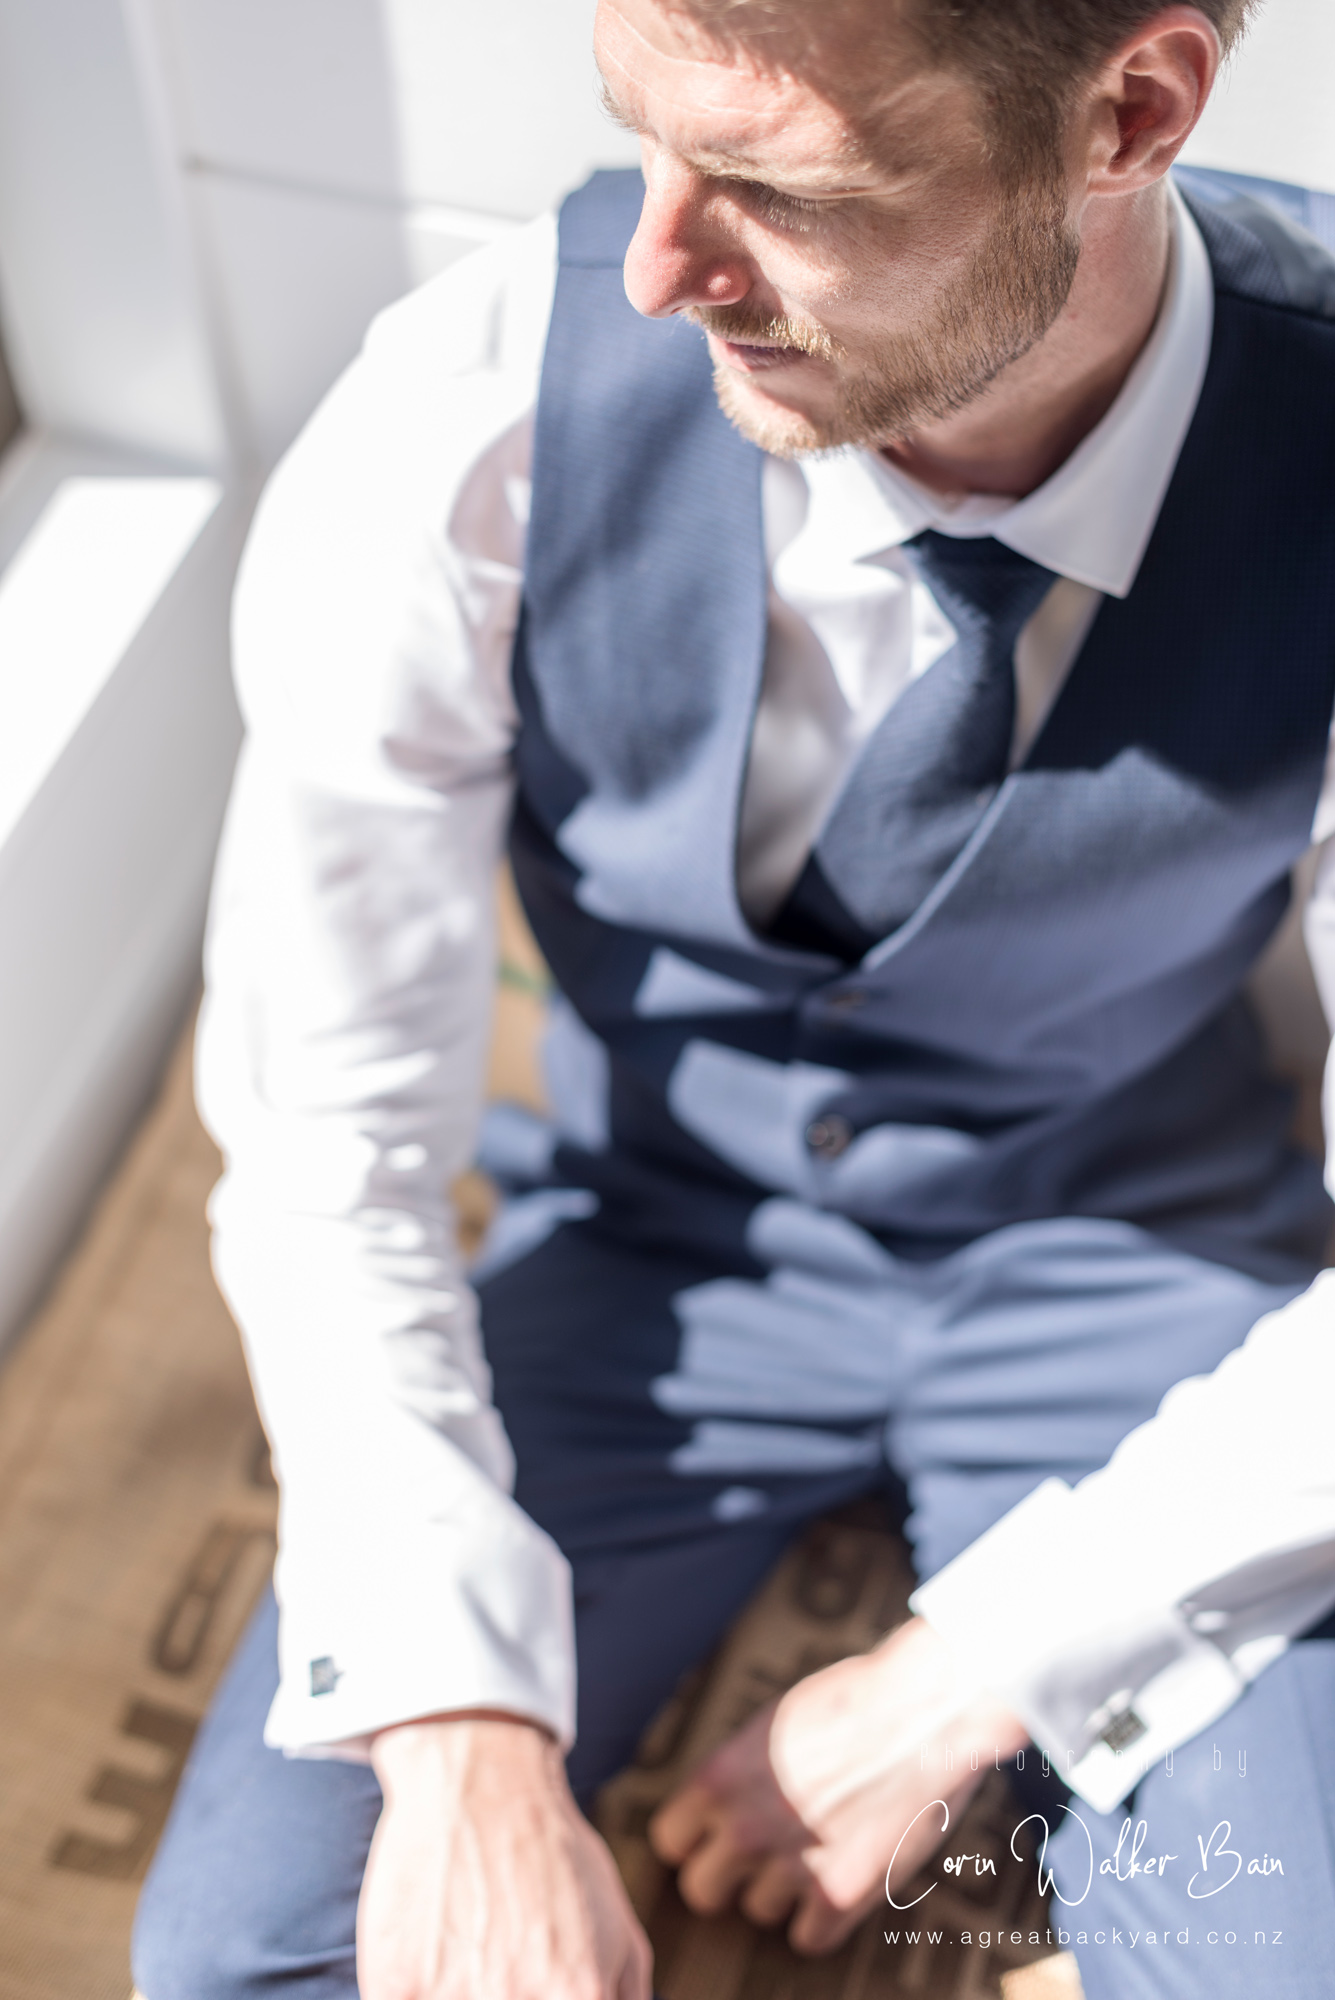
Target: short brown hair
<point>1026,57</point>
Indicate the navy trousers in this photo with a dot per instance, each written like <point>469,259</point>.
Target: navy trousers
<point>678,1415</point>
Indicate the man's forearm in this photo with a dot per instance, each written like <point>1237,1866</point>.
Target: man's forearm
<point>484,1878</point>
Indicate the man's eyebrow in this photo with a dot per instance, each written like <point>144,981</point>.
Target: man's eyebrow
<point>614,108</point>
<point>844,175</point>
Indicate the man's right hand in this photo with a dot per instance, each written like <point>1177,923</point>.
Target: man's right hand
<point>485,1881</point>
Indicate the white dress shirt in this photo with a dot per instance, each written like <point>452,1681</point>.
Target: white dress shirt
<point>350,963</point>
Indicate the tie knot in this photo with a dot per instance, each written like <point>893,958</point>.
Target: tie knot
<point>978,579</point>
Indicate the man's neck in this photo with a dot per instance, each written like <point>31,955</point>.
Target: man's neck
<point>1030,420</point>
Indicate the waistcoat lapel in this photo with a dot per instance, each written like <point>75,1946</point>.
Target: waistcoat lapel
<point>647,689</point>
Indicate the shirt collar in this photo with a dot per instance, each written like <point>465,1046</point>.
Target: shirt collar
<point>1092,519</point>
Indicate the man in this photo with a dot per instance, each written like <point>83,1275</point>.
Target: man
<point>901,778</point>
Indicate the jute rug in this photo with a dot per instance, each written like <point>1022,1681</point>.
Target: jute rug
<point>136,1529</point>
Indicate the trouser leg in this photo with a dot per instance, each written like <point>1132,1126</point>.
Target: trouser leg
<point>1219,1918</point>
<point>580,1337</point>
<point>254,1889</point>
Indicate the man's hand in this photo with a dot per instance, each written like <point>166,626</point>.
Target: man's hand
<point>800,1813</point>
<point>485,1881</point>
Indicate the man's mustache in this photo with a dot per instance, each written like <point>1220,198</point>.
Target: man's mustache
<point>750,330</point>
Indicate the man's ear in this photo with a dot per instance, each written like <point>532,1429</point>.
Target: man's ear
<point>1141,107</point>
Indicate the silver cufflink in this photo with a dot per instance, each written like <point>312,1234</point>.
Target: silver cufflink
<point>325,1676</point>
<point>1123,1730</point>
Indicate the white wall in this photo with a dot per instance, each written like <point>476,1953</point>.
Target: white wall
<point>117,720</point>
<point>338,151</point>
<point>102,323</point>
<point>105,863</point>
<point>1273,111</point>
<point>203,202</point>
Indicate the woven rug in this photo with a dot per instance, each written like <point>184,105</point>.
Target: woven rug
<point>136,1529</point>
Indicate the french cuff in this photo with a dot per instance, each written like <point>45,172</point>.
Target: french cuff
<point>1103,1698</point>
<point>445,1625</point>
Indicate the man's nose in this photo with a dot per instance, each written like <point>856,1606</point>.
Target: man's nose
<point>682,253</point>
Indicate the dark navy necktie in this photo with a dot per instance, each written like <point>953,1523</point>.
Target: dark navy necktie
<point>929,773</point>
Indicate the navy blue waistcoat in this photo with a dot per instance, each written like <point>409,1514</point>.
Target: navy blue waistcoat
<point>1057,1029</point>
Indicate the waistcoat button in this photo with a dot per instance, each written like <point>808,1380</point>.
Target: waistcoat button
<point>829,1136</point>
<point>848,1001</point>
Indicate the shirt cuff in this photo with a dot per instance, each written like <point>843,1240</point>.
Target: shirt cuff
<point>458,1619</point>
<point>1103,1700</point>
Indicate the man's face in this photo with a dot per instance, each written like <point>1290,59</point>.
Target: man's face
<point>828,213</point>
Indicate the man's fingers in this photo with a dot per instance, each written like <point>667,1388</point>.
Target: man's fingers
<point>713,1874</point>
<point>773,1894</point>
<point>819,1926</point>
<point>681,1823</point>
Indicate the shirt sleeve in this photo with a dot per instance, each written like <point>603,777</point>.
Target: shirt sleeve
<point>1189,1562</point>
<point>343,1042</point>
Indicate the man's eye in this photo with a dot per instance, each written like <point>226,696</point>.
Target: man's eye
<point>787,210</point>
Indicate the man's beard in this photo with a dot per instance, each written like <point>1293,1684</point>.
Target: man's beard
<point>1000,308</point>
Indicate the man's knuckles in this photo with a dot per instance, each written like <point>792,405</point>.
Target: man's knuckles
<point>674,1840</point>
<point>774,1893</point>
<point>712,1877</point>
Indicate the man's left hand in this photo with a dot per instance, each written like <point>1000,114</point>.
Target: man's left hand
<point>800,1813</point>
